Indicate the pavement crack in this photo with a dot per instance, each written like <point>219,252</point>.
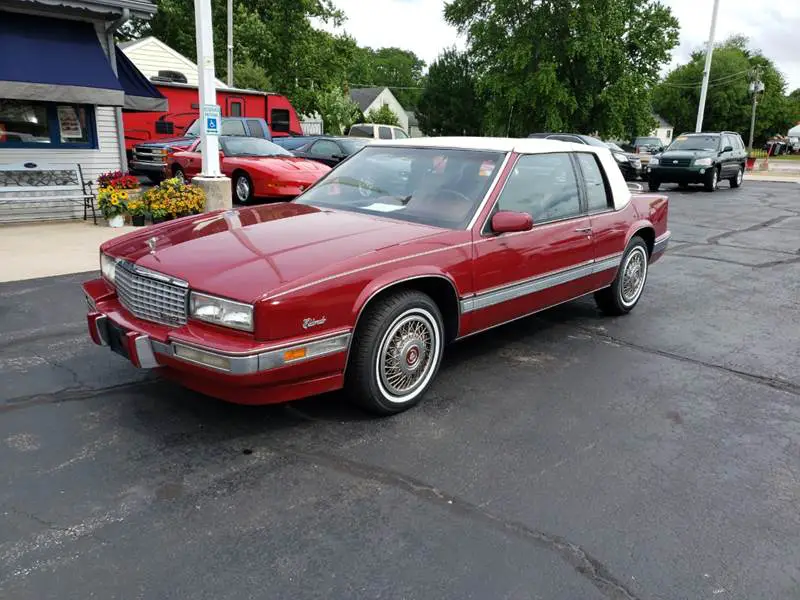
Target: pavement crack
<point>70,394</point>
<point>51,525</point>
<point>573,554</point>
<point>773,382</point>
<point>762,225</point>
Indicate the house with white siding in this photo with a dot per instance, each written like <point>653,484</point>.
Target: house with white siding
<point>154,58</point>
<point>373,98</point>
<point>64,84</point>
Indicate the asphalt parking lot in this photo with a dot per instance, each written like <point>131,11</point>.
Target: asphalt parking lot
<point>567,456</point>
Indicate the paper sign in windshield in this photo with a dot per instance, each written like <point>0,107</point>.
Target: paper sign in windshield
<point>487,168</point>
<point>381,207</point>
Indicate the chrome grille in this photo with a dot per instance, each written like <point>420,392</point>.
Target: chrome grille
<point>149,298</point>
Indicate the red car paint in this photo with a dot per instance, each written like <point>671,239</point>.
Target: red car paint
<point>184,109</point>
<point>282,177</point>
<point>297,263</point>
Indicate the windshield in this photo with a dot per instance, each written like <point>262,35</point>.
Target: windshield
<point>432,186</point>
<point>695,142</point>
<point>246,146</point>
<point>353,146</point>
<point>614,147</point>
<point>193,129</point>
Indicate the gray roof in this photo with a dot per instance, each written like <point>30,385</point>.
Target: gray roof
<point>365,96</point>
<point>662,123</point>
<point>137,7</point>
<point>412,118</point>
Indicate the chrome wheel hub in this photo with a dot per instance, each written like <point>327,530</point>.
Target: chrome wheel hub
<point>633,276</point>
<point>739,176</point>
<point>405,355</point>
<point>242,189</point>
<point>714,178</point>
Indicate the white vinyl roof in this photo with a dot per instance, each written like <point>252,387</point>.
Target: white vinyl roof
<point>619,188</point>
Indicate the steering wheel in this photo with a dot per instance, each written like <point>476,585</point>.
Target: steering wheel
<point>455,193</point>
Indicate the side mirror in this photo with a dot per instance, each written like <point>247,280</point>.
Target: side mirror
<point>727,149</point>
<point>509,221</point>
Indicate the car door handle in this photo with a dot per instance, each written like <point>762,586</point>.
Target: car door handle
<point>583,229</point>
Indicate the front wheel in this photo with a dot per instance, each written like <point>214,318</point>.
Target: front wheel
<point>178,173</point>
<point>624,293</point>
<point>397,350</point>
<point>243,188</point>
<point>736,180</point>
<point>712,180</point>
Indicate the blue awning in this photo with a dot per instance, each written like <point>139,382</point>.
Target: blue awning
<point>55,60</point>
<point>140,94</point>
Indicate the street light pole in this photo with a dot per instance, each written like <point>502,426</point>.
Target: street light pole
<point>230,43</point>
<point>707,70</point>
<point>217,188</point>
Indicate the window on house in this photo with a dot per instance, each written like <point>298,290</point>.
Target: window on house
<point>236,109</point>
<point>280,119</point>
<point>34,124</point>
<point>669,134</point>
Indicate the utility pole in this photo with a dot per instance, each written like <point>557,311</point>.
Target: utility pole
<point>707,70</point>
<point>230,43</point>
<point>755,88</point>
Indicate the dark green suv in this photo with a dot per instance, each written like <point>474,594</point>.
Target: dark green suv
<point>705,158</point>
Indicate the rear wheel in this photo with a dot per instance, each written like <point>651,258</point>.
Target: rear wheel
<point>243,188</point>
<point>624,293</point>
<point>712,180</point>
<point>396,352</point>
<point>736,180</point>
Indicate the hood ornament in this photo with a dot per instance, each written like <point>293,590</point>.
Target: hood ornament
<point>151,243</point>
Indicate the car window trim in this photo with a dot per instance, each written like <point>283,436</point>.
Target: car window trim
<point>486,232</point>
<point>606,185</point>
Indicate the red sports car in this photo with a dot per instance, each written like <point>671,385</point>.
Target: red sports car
<point>257,167</point>
<point>362,280</point>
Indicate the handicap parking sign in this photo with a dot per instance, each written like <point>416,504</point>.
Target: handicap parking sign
<point>211,119</point>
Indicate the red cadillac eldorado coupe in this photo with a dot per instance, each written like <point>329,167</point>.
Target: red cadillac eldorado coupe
<point>361,281</point>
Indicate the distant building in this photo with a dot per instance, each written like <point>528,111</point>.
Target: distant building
<point>154,58</point>
<point>413,125</point>
<point>374,98</point>
<point>663,131</point>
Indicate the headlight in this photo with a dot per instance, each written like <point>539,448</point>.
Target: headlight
<point>653,162</point>
<point>108,267</point>
<point>703,162</point>
<point>621,158</point>
<point>221,311</point>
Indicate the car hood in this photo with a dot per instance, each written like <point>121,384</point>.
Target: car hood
<point>169,142</point>
<point>246,253</point>
<point>287,164</point>
<point>673,154</point>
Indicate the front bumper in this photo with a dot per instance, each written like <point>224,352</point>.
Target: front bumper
<point>229,367</point>
<point>690,174</point>
<point>139,167</point>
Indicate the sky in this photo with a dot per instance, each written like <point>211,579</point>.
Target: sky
<point>773,27</point>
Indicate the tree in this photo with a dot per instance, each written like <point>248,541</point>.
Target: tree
<point>394,68</point>
<point>450,104</point>
<point>569,65</point>
<point>383,116</point>
<point>729,100</point>
<point>337,110</point>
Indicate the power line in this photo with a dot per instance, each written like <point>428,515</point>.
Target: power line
<point>391,87</point>
<point>718,81</point>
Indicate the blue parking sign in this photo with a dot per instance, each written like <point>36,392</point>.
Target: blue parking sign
<point>212,116</point>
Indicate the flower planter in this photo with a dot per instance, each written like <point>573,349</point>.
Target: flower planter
<point>137,220</point>
<point>750,163</point>
<point>116,221</point>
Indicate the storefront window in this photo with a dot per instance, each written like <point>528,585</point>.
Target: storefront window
<point>25,124</point>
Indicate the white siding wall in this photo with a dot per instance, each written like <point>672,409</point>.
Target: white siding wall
<point>150,57</point>
<point>386,97</point>
<point>93,162</point>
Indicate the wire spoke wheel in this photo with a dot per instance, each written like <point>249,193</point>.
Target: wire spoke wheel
<point>634,272</point>
<point>242,189</point>
<point>407,354</point>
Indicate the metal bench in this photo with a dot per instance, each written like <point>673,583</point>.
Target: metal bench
<point>37,192</point>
